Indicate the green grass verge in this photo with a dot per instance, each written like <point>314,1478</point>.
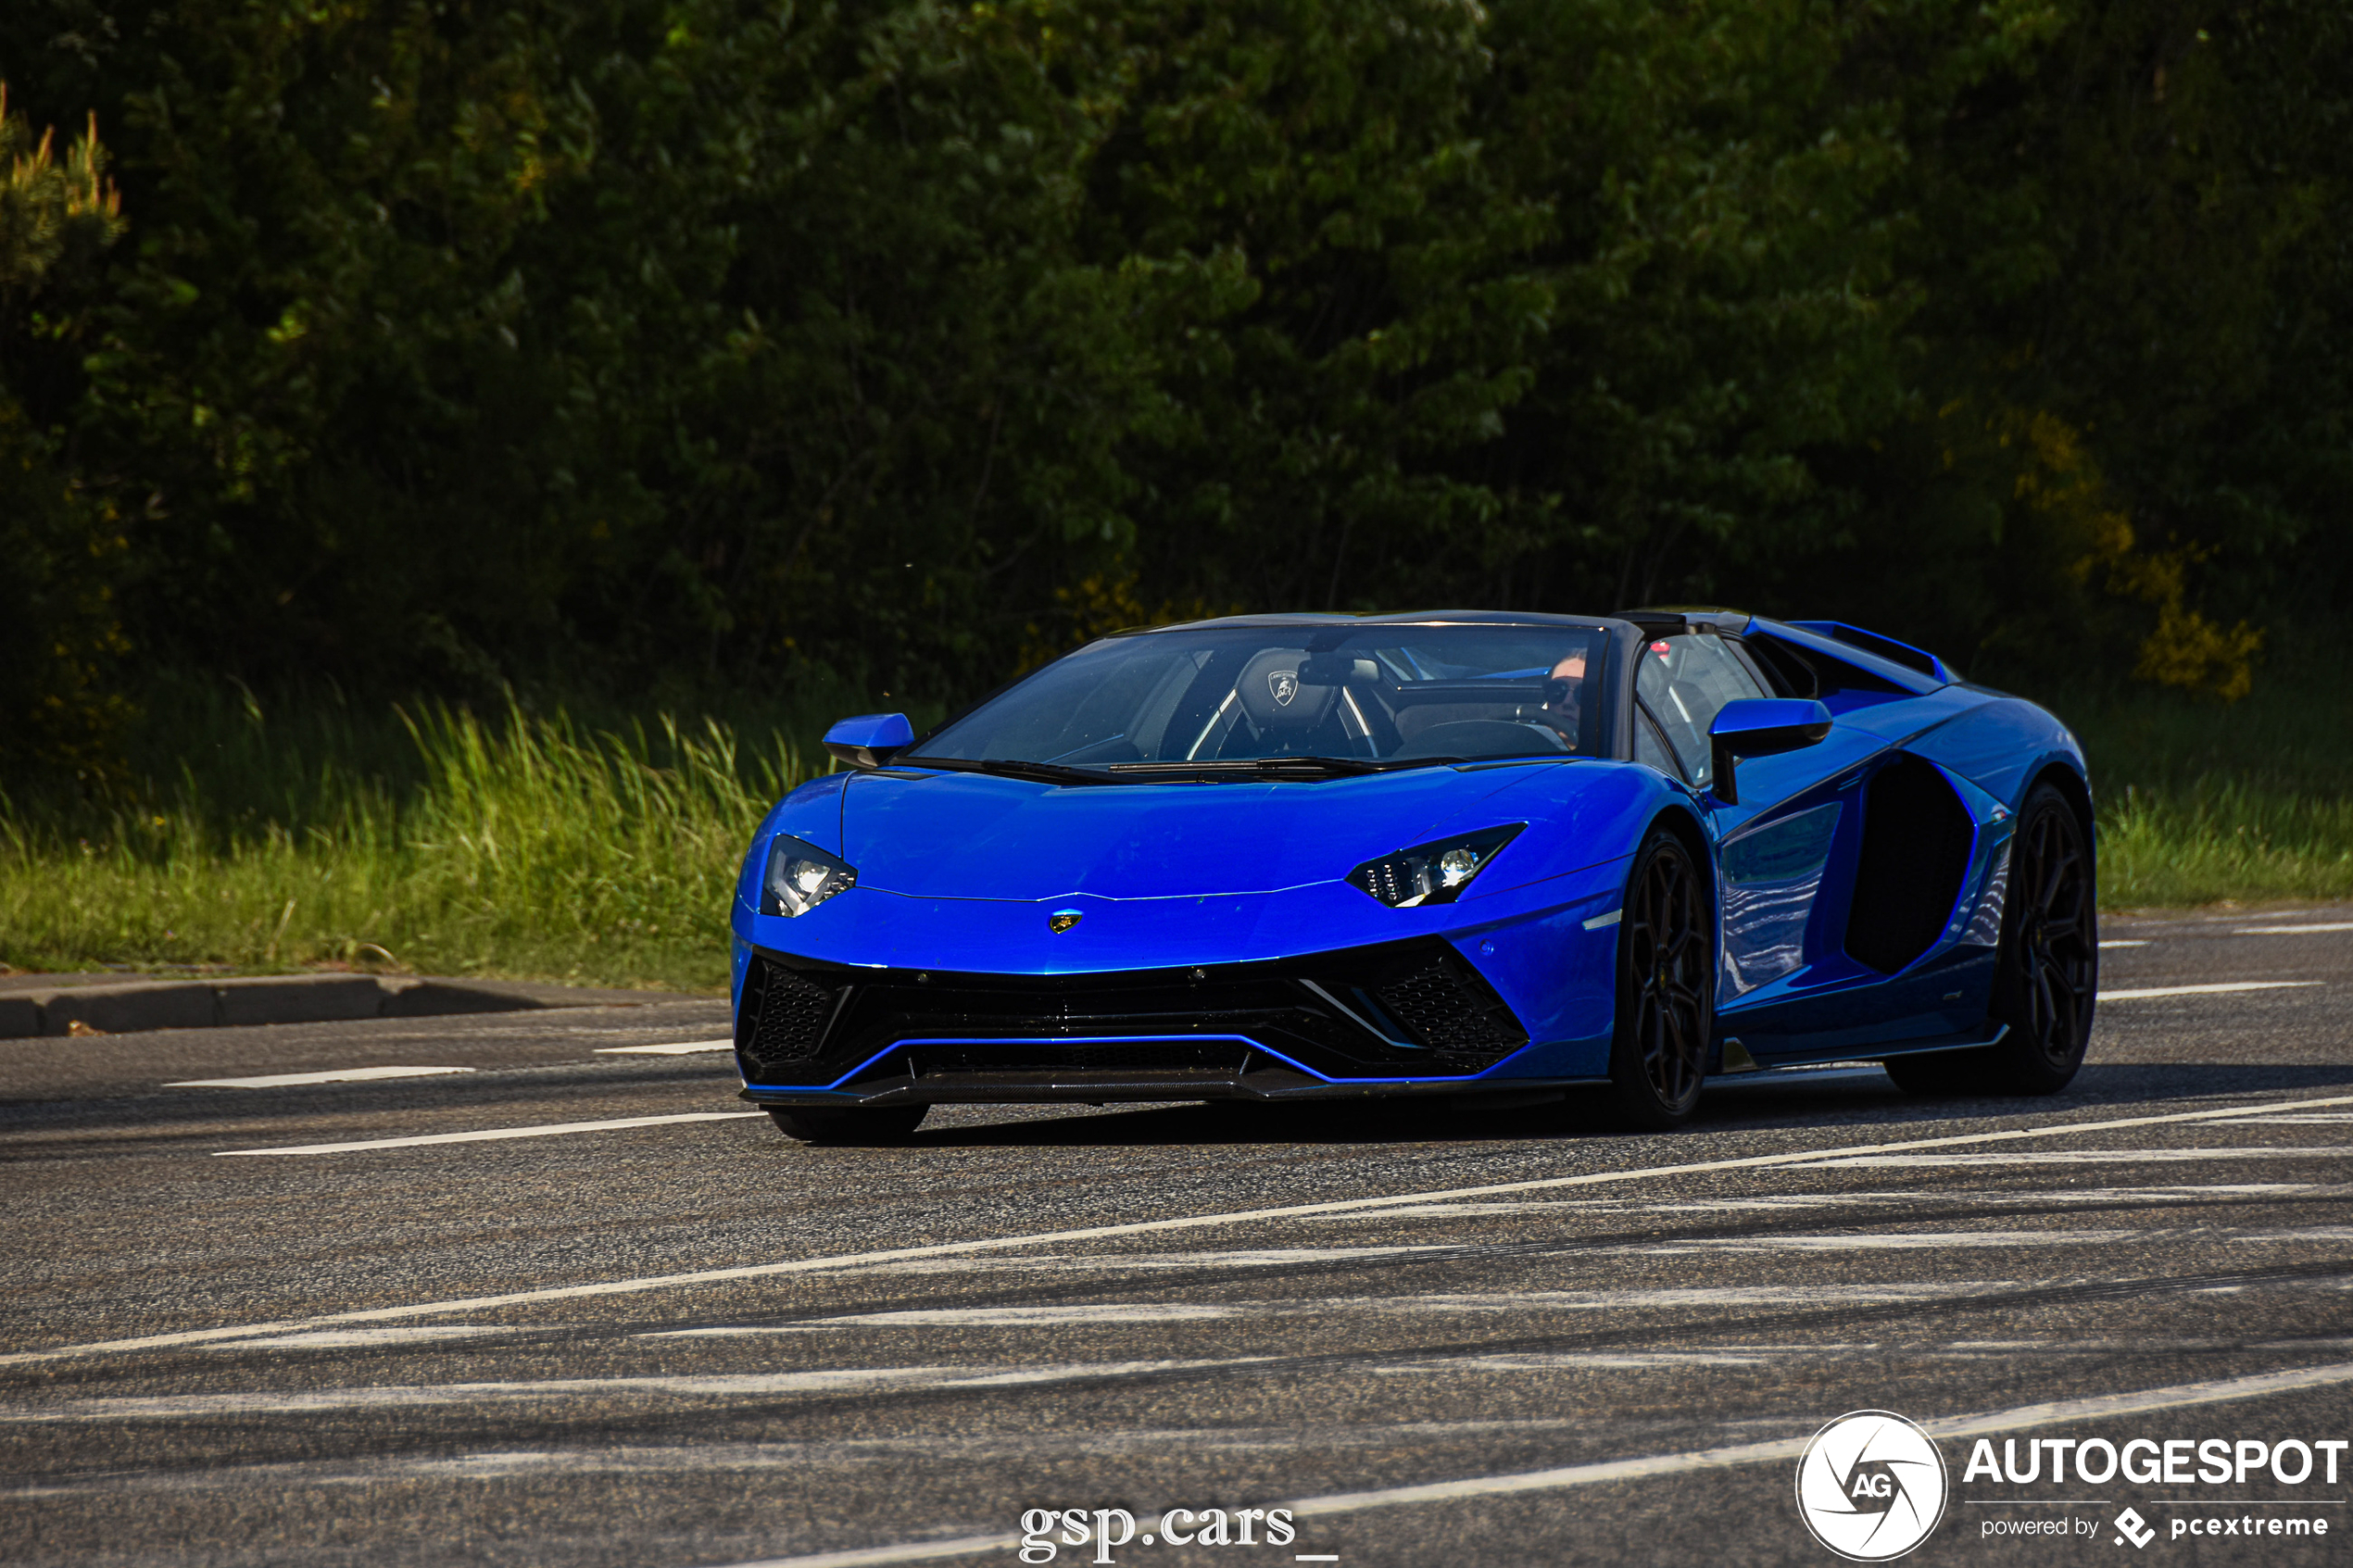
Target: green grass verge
<point>602,850</point>
<point>2200,802</point>
<point>531,846</point>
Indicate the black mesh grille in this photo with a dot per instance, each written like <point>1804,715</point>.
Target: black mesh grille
<point>793,1010</point>
<point>1148,1056</point>
<point>1453,1015</point>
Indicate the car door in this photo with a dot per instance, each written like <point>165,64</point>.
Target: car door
<point>1777,843</point>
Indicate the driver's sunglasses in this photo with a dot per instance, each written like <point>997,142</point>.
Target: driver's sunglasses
<point>1558,690</point>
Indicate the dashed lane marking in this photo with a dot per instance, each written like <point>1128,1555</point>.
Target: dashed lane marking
<point>836,1262</point>
<point>2217,989</point>
<point>492,1135</point>
<point>683,1047</point>
<point>336,1075</point>
<point>2291,930</point>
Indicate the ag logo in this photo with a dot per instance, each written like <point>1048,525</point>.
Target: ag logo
<point>1871,1486</point>
<point>1062,920</point>
<point>1284,684</point>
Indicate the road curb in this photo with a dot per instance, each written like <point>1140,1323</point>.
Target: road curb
<point>135,1007</point>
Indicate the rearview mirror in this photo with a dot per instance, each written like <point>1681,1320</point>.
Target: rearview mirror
<point>1760,726</point>
<point>871,739</point>
<point>1336,670</point>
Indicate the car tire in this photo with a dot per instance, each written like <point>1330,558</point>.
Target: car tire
<point>2047,971</point>
<point>849,1124</point>
<point>1666,987</point>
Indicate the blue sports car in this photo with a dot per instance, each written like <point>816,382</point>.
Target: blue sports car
<point>1467,853</point>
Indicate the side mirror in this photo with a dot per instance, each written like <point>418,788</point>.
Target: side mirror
<point>1760,726</point>
<point>871,739</point>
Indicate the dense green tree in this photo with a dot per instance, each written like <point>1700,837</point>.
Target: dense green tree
<point>59,636</point>
<point>467,339</point>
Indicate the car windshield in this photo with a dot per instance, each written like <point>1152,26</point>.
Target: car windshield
<point>1347,698</point>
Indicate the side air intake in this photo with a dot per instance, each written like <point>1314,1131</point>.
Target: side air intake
<point>1916,837</point>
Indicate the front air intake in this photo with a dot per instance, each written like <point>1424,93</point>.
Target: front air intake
<point>784,1015</point>
<point>1454,1013</point>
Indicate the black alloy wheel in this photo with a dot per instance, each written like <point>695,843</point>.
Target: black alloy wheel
<point>1666,987</point>
<point>2046,976</point>
<point>852,1125</point>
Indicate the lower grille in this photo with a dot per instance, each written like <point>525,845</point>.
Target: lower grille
<point>788,1016</point>
<point>1144,1056</point>
<point>1414,1008</point>
<point>1454,1013</point>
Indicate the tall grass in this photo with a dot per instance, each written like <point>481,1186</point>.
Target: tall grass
<point>2224,838</point>
<point>524,844</point>
<point>2201,801</point>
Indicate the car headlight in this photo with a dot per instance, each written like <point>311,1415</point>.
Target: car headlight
<point>802,876</point>
<point>1432,874</point>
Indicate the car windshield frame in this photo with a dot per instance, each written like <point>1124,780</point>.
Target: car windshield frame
<point>1341,698</point>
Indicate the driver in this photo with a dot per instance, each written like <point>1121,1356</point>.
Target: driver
<point>1564,686</point>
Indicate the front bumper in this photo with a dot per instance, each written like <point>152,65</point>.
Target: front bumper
<point>1397,1017</point>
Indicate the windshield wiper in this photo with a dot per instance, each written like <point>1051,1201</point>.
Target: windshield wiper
<point>1011,768</point>
<point>1278,767</point>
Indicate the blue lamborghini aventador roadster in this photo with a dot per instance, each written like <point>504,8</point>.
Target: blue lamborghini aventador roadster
<point>1463,853</point>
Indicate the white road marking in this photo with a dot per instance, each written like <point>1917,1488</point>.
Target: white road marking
<point>985,1317</point>
<point>735,1331</point>
<point>356,1338</point>
<point>2322,1119</point>
<point>801,1457</point>
<point>2217,989</point>
<point>2083,1157</point>
<point>1517,1303</point>
<point>684,1048</point>
<point>1913,1241</point>
<point>334,1075</point>
<point>2291,930</point>
<point>1590,1360</point>
<point>1914,1199</point>
<point>826,1380</point>
<point>1479,1210</point>
<point>2140,942</point>
<point>1814,1156</point>
<point>1962,1427</point>
<point>491,1135</point>
<point>1096,1262</point>
<point>1885,1241</point>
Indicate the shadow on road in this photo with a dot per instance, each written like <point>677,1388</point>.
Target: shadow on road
<point>1862,1099</point>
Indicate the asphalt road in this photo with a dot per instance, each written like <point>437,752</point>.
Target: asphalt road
<point>673,1338</point>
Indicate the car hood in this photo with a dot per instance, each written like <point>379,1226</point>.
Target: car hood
<point>971,835</point>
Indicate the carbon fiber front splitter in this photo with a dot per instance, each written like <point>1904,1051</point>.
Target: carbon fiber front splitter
<point>1265,1084</point>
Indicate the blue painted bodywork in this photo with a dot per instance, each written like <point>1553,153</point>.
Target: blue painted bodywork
<point>958,872</point>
